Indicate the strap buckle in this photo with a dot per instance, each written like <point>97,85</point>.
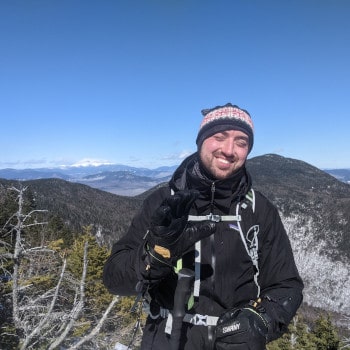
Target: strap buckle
<point>200,320</point>
<point>214,218</point>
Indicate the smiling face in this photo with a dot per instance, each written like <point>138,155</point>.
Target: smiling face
<point>224,153</point>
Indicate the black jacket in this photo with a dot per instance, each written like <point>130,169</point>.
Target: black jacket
<point>227,272</point>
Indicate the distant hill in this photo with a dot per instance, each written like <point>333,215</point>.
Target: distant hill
<point>314,206</point>
<point>340,174</point>
<point>122,182</point>
<point>300,189</point>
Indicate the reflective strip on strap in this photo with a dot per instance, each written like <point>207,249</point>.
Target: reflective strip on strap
<point>169,324</point>
<point>252,251</point>
<point>214,218</point>
<point>197,269</point>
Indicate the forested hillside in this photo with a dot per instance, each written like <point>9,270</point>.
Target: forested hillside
<point>79,205</point>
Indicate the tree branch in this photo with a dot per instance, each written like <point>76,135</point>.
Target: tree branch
<point>77,307</point>
<point>97,328</point>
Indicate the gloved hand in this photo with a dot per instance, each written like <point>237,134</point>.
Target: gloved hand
<point>170,235</point>
<point>243,328</point>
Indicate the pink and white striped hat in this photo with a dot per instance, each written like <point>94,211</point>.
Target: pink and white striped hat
<point>227,117</point>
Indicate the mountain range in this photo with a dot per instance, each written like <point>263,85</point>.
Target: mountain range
<point>314,207</point>
<point>116,178</point>
<point>113,178</point>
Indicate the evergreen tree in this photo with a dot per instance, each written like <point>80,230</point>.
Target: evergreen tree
<point>8,206</point>
<point>304,337</point>
<point>325,334</point>
<point>298,337</point>
<point>281,343</point>
<point>57,229</point>
<point>97,296</point>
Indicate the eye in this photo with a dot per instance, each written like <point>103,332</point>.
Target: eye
<point>219,137</point>
<point>242,142</point>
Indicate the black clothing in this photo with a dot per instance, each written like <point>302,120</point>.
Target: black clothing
<point>227,272</point>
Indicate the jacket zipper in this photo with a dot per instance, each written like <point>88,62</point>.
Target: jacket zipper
<point>213,261</point>
<point>212,197</point>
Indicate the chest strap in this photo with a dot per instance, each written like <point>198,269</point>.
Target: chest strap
<point>195,319</point>
<point>214,218</point>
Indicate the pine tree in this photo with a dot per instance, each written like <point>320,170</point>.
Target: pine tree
<point>304,337</point>
<point>281,343</point>
<point>57,229</point>
<point>298,337</point>
<point>97,296</point>
<point>325,334</point>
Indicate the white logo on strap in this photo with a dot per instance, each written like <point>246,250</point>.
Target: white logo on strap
<point>232,328</point>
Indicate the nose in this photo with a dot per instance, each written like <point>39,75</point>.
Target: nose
<point>228,147</point>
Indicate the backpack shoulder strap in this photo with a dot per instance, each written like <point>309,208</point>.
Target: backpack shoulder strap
<point>249,236</point>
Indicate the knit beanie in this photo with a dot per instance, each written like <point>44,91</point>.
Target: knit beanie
<point>222,118</point>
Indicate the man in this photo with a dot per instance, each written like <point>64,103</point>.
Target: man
<point>210,220</point>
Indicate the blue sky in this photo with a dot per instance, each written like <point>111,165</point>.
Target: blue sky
<point>124,81</point>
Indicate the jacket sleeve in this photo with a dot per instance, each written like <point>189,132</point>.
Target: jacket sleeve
<point>281,285</point>
<point>121,271</point>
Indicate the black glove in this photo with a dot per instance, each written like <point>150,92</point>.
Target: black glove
<point>243,328</point>
<point>170,235</point>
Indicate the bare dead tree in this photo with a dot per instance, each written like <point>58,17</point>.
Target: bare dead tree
<point>44,317</point>
<point>19,249</point>
<point>346,339</point>
<point>293,336</point>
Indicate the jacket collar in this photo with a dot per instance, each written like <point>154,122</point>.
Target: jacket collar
<point>191,175</point>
